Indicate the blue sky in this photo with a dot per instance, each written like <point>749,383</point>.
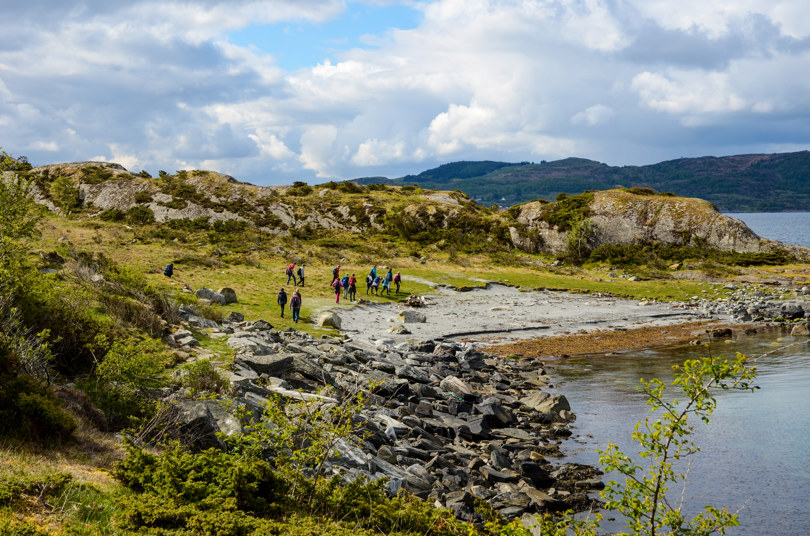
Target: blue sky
<point>273,91</point>
<point>301,44</point>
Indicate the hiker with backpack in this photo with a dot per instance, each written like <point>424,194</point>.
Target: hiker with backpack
<point>397,280</point>
<point>281,299</point>
<point>352,288</point>
<point>345,284</point>
<point>301,275</point>
<point>369,282</point>
<point>389,276</point>
<point>335,274</point>
<point>337,286</point>
<point>295,305</point>
<point>291,273</point>
<point>375,286</point>
<point>385,286</point>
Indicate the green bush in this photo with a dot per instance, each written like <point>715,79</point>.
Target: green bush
<point>140,215</point>
<point>143,197</point>
<point>28,410</point>
<point>64,194</point>
<point>112,214</point>
<point>96,174</point>
<point>202,376</point>
<point>125,377</point>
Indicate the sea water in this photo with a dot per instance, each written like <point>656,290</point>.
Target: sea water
<point>755,453</point>
<point>787,227</point>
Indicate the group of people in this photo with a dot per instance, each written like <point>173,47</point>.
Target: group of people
<point>295,303</point>
<point>347,285</point>
<point>374,282</point>
<point>292,272</point>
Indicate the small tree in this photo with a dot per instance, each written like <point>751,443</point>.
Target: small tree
<point>643,497</point>
<point>64,194</point>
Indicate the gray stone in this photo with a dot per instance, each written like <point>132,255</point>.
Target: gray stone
<point>455,385</point>
<point>544,402</point>
<point>204,293</point>
<point>329,319</point>
<point>409,316</point>
<point>236,317</point>
<point>272,365</point>
<point>229,295</point>
<point>494,476</point>
<point>800,330</point>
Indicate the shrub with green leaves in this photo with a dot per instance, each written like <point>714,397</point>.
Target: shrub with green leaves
<point>140,215</point>
<point>65,194</point>
<point>202,376</point>
<point>28,409</point>
<point>125,377</point>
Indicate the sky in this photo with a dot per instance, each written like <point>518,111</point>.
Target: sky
<point>275,91</point>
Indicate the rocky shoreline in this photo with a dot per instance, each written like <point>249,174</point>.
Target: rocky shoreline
<point>444,421</point>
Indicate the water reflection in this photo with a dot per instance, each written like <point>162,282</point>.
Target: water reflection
<point>756,450</point>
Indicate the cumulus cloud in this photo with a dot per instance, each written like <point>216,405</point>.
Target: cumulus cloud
<point>593,115</point>
<point>158,84</point>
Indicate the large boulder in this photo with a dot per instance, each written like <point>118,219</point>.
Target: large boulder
<point>544,402</point>
<point>329,319</point>
<point>212,296</point>
<point>229,295</point>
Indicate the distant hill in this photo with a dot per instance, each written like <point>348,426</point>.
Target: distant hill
<point>745,183</point>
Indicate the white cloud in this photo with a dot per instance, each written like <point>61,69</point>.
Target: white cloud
<point>158,85</point>
<point>593,115</point>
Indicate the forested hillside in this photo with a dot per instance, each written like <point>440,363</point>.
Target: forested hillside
<point>744,183</point>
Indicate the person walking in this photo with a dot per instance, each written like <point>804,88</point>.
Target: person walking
<point>397,280</point>
<point>281,299</point>
<point>375,286</point>
<point>352,288</point>
<point>369,282</point>
<point>373,272</point>
<point>291,273</point>
<point>389,277</point>
<point>295,305</point>
<point>345,284</point>
<point>385,286</point>
<point>301,275</point>
<point>335,274</point>
<point>337,286</point>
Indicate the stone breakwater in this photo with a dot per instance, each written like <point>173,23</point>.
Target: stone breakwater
<point>444,421</point>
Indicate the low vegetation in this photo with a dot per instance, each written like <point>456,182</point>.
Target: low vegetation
<point>84,307</point>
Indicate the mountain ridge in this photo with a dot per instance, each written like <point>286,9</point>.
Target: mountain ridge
<point>775,182</point>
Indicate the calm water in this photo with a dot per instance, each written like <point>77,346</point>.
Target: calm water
<point>756,450</point>
<point>787,227</point>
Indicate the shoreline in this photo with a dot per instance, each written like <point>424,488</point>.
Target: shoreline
<point>607,341</point>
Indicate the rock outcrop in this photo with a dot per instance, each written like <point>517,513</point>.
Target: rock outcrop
<point>443,421</point>
<point>623,217</point>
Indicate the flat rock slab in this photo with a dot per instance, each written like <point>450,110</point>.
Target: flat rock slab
<point>508,314</point>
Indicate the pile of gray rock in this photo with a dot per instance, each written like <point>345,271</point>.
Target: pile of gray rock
<point>751,304</point>
<point>444,421</point>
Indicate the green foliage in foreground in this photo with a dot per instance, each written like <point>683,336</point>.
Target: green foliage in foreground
<point>643,498</point>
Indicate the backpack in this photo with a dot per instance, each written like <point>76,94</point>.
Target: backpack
<point>345,280</point>
<point>295,302</point>
<point>169,270</point>
<point>290,269</point>
<point>300,271</point>
<point>334,271</point>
